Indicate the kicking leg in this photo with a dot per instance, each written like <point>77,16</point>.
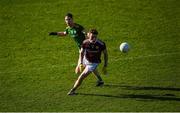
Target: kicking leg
<point>78,82</point>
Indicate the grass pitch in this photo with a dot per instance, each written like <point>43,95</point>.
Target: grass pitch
<point>37,70</point>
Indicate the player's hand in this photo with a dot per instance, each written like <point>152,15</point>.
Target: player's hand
<point>81,67</point>
<point>53,33</point>
<point>104,70</point>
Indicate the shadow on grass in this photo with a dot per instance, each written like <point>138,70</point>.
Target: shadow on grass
<point>142,87</point>
<point>135,96</point>
<point>150,97</point>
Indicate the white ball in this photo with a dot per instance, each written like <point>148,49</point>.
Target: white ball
<point>124,47</point>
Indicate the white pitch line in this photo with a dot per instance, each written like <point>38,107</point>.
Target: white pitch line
<point>113,60</point>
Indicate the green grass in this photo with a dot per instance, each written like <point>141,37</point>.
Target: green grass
<point>37,70</point>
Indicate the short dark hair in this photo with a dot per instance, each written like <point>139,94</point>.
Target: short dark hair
<point>69,15</point>
<point>93,31</point>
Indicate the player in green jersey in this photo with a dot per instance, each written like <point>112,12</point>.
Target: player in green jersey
<point>74,30</point>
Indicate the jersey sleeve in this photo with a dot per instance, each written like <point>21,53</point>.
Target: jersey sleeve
<point>66,30</point>
<point>104,46</point>
<point>84,44</point>
<point>81,28</point>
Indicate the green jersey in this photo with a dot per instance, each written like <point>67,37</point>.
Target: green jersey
<point>76,33</point>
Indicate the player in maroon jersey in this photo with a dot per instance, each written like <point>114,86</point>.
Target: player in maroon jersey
<point>90,57</point>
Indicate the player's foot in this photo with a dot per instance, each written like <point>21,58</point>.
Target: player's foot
<point>71,92</point>
<point>100,83</point>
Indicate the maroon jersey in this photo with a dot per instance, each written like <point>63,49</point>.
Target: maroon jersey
<point>93,50</point>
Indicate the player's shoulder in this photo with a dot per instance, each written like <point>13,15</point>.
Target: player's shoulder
<point>86,41</point>
<point>78,26</point>
<point>100,42</point>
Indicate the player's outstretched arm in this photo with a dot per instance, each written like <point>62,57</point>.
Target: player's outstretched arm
<point>58,33</point>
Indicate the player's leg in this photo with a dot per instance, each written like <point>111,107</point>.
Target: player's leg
<point>100,81</point>
<point>78,82</point>
<point>81,78</point>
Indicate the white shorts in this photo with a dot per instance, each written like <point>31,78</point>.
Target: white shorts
<point>89,66</point>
